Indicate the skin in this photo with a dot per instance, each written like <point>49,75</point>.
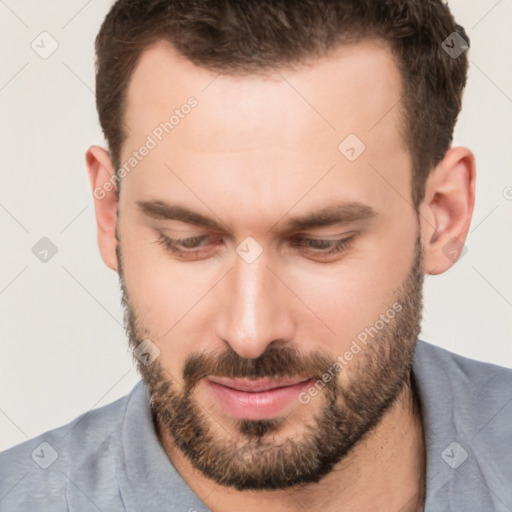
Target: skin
<point>256,150</point>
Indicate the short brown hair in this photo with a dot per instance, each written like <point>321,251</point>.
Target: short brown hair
<point>236,37</point>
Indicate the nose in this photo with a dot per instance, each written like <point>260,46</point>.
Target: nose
<point>256,308</point>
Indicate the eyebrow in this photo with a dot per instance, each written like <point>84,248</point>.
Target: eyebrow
<point>330,215</point>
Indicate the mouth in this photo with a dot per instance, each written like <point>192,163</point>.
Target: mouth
<point>256,385</point>
<point>256,398</point>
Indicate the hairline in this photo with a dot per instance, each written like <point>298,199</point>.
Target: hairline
<point>314,57</point>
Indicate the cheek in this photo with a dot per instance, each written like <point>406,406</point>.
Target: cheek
<point>159,290</point>
<point>353,296</point>
<point>170,299</point>
<point>345,303</point>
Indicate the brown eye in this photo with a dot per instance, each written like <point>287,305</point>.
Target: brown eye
<point>319,247</point>
<point>183,246</point>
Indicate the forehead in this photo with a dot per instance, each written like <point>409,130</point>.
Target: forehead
<point>341,91</point>
<point>270,129</point>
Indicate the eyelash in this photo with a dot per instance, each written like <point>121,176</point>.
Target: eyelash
<point>336,246</point>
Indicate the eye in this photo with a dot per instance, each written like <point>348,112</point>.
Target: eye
<point>195,246</point>
<point>183,246</point>
<point>322,247</point>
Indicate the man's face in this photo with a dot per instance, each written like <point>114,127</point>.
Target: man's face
<point>252,154</point>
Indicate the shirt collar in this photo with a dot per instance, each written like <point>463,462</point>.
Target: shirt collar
<point>436,394</point>
<point>147,478</point>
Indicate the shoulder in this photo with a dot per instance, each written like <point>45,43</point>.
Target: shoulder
<point>467,414</point>
<point>469,377</point>
<point>29,470</point>
<point>472,392</point>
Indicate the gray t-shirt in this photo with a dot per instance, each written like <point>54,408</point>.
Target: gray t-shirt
<point>110,459</point>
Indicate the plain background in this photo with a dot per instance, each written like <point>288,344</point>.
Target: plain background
<point>63,347</point>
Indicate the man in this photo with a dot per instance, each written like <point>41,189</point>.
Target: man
<point>279,179</point>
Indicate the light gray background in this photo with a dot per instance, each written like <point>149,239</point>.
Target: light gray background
<point>63,348</point>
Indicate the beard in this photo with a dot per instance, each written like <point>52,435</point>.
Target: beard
<point>347,412</point>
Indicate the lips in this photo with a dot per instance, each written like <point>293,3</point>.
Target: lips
<point>256,385</point>
<point>257,398</point>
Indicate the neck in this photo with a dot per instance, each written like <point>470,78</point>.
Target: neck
<point>384,472</point>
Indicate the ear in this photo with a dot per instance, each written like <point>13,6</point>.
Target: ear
<point>101,178</point>
<point>447,209</point>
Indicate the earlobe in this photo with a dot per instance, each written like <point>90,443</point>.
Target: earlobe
<point>102,180</point>
<point>447,210</point>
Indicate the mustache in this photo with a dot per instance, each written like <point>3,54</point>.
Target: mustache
<point>273,363</point>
